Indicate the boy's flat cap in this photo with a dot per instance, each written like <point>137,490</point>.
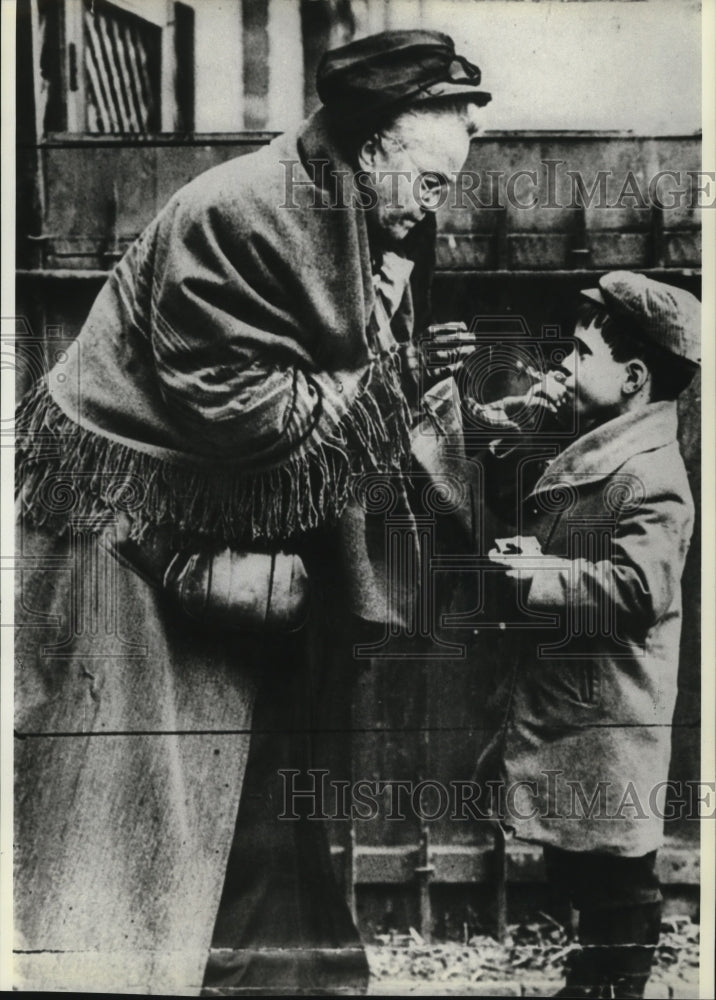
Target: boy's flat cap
<point>667,316</point>
<point>382,74</point>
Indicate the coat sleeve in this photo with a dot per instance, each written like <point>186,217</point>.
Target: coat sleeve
<point>635,582</point>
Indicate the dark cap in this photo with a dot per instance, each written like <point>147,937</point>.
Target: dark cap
<point>667,316</point>
<point>369,79</point>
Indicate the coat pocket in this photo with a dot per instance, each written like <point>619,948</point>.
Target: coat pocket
<point>560,684</point>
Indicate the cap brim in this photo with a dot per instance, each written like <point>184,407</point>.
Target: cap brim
<point>468,91</point>
<point>595,294</point>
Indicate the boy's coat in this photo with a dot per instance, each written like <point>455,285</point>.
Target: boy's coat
<point>593,698</point>
<point>586,737</point>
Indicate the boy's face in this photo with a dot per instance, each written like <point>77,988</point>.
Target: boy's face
<point>594,380</point>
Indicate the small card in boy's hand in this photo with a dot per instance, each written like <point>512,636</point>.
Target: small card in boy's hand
<point>519,545</point>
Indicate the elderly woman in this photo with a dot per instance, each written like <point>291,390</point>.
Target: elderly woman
<point>191,555</point>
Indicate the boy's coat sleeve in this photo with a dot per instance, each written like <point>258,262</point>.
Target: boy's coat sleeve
<point>640,575</point>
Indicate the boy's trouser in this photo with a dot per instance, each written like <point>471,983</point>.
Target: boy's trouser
<point>619,904</point>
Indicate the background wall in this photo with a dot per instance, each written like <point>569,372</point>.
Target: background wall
<point>219,66</point>
<point>579,64</point>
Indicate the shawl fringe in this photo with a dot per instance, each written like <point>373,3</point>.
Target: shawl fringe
<point>69,476</point>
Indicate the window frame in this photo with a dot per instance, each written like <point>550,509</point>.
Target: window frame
<point>159,14</point>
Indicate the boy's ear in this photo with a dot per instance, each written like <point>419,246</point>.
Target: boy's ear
<point>637,375</point>
<point>368,152</point>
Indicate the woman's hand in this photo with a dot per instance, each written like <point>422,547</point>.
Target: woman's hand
<point>439,354</point>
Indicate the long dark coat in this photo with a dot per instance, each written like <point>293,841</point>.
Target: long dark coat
<point>132,721</point>
<point>132,741</point>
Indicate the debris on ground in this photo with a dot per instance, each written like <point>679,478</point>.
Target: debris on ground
<point>537,949</point>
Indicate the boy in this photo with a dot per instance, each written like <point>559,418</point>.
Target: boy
<point>601,546</point>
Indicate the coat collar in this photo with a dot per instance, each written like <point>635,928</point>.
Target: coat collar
<point>332,173</point>
<point>599,452</point>
<point>330,165</point>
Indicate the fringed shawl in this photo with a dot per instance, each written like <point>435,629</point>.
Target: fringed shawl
<point>224,383</point>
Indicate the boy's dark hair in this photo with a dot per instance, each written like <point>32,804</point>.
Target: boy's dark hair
<point>670,375</point>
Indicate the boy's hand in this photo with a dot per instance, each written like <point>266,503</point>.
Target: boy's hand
<point>547,390</point>
<point>498,416</point>
<point>520,412</point>
<point>513,553</point>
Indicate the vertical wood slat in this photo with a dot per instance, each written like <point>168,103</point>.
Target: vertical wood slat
<point>350,865</point>
<point>37,35</point>
<point>580,253</point>
<point>168,117</point>
<point>74,50</point>
<point>350,868</point>
<point>500,884</point>
<point>184,49</point>
<point>658,242</point>
<point>256,59</point>
<point>31,208</point>
<point>424,869</point>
